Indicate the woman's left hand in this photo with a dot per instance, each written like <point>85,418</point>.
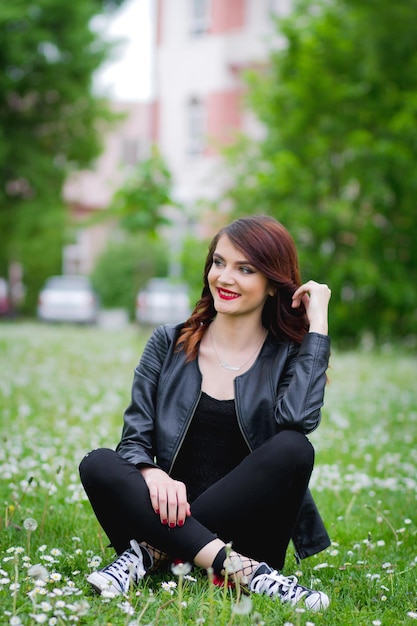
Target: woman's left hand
<point>315,297</point>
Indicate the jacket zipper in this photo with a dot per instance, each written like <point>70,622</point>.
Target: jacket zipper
<point>239,422</point>
<point>184,434</point>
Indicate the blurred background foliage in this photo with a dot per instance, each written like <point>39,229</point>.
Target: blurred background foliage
<point>337,161</point>
<point>125,267</point>
<point>50,125</point>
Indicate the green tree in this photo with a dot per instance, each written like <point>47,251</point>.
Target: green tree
<point>50,123</point>
<point>141,202</point>
<point>337,161</point>
<point>125,267</point>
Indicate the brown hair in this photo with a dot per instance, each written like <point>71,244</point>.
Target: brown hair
<point>269,247</point>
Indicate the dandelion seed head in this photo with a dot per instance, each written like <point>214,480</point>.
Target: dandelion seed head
<point>181,569</point>
<point>243,607</point>
<point>38,572</point>
<point>30,524</point>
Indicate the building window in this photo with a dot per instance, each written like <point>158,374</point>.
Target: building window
<point>196,122</point>
<point>199,17</point>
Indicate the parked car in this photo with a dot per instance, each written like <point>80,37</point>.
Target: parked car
<point>163,301</point>
<point>68,299</point>
<point>5,305</point>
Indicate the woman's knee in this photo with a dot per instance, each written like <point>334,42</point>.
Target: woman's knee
<point>95,465</point>
<point>289,447</point>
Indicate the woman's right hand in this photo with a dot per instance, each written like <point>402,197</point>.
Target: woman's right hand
<point>168,496</point>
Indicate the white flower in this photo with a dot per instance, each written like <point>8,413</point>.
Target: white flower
<point>56,552</point>
<point>190,578</point>
<point>126,607</point>
<point>95,561</point>
<point>15,621</point>
<point>169,586</point>
<point>30,524</point>
<point>412,615</point>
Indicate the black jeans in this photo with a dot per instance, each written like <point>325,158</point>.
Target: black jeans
<point>255,506</point>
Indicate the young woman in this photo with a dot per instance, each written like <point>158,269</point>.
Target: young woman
<point>214,447</point>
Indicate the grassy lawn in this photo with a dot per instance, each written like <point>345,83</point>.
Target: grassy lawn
<point>63,391</point>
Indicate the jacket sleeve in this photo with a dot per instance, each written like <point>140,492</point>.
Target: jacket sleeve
<point>137,441</point>
<point>301,389</point>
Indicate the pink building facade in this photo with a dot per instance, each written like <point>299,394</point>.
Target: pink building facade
<point>202,47</point>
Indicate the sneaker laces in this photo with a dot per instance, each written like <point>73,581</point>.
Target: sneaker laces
<point>129,566</point>
<point>272,583</point>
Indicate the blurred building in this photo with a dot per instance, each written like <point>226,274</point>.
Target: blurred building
<point>202,49</point>
<point>89,191</point>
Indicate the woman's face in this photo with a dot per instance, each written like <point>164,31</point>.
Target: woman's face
<point>236,286</point>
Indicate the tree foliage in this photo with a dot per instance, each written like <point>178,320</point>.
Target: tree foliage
<point>140,203</point>
<point>125,267</point>
<point>49,124</point>
<point>337,163</point>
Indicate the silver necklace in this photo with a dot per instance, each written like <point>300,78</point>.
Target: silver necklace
<point>225,364</point>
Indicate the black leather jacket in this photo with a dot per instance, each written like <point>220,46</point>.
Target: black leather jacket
<point>283,389</point>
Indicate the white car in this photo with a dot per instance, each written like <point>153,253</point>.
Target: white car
<point>68,299</point>
<point>163,301</point>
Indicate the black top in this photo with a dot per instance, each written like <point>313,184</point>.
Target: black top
<point>212,447</point>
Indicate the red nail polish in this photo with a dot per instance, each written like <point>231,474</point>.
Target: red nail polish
<point>172,525</point>
<point>165,521</point>
<point>157,511</point>
<point>181,523</point>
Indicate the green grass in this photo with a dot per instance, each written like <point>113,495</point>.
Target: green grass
<point>63,391</point>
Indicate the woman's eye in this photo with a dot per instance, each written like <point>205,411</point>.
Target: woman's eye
<point>217,262</point>
<point>246,270</point>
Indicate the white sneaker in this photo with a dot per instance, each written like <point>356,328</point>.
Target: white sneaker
<point>126,570</point>
<point>272,583</point>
